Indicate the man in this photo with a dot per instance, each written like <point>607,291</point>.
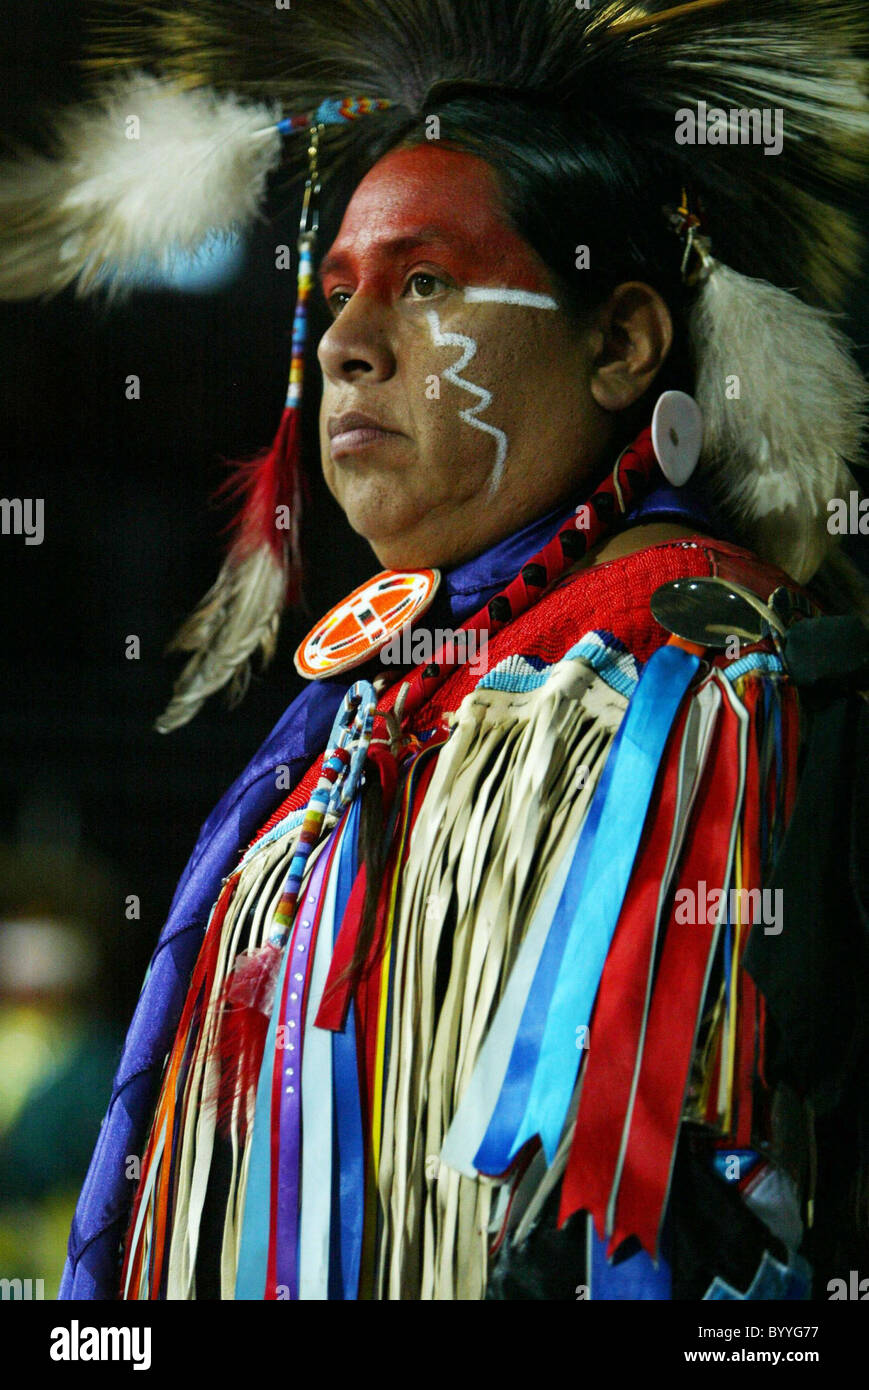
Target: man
<point>499,1000</point>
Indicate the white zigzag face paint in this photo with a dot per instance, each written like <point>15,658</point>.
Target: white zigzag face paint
<point>481,294</point>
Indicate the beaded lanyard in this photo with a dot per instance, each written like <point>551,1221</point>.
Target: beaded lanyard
<point>335,789</point>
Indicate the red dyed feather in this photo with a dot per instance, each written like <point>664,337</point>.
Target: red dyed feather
<point>265,484</point>
<point>246,1003</point>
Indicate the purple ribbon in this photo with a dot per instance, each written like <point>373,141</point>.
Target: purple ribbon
<point>289,1059</point>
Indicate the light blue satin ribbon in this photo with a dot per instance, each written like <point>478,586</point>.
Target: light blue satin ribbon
<point>635,762</point>
<point>470,1124</point>
<point>772,1282</point>
<point>499,1144</point>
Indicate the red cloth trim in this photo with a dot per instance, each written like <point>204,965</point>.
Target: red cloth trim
<point>676,1004</point>
<point>617,1020</point>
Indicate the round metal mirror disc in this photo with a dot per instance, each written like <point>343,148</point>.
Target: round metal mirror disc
<point>706,611</point>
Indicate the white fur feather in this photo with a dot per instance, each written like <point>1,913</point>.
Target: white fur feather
<point>776,455</point>
<point>196,164</point>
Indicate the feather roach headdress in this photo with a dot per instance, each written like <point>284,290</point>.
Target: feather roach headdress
<point>762,229</point>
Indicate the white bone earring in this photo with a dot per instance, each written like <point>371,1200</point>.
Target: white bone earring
<point>677,435</point>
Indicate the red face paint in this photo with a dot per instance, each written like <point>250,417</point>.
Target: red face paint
<point>428,203</point>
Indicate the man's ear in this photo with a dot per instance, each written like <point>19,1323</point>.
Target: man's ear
<point>636,332</point>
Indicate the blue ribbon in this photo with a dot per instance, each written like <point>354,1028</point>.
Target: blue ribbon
<point>646,728</point>
<point>772,1281</point>
<point>636,1279</point>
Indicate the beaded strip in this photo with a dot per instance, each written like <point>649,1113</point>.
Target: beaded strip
<point>335,789</point>
<point>333,112</point>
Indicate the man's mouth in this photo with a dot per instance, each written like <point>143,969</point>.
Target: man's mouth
<point>350,433</point>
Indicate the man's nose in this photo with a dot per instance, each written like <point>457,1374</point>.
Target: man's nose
<point>356,346</point>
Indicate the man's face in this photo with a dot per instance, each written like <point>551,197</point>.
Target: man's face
<point>456,402</point>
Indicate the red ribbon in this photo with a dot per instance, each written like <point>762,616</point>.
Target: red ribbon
<point>676,1003</point>
<point>616,1026</point>
<point>752,876</point>
<point>339,987</point>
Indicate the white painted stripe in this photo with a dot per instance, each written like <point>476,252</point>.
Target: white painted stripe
<point>469,351</point>
<point>482,294</point>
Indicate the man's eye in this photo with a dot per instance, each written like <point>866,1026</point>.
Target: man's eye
<point>421,285</point>
<point>336,301</point>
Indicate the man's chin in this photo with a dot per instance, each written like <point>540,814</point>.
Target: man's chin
<point>406,551</point>
<point>394,537</point>
<point>401,553</point>
<point>409,552</point>
<point>403,538</point>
